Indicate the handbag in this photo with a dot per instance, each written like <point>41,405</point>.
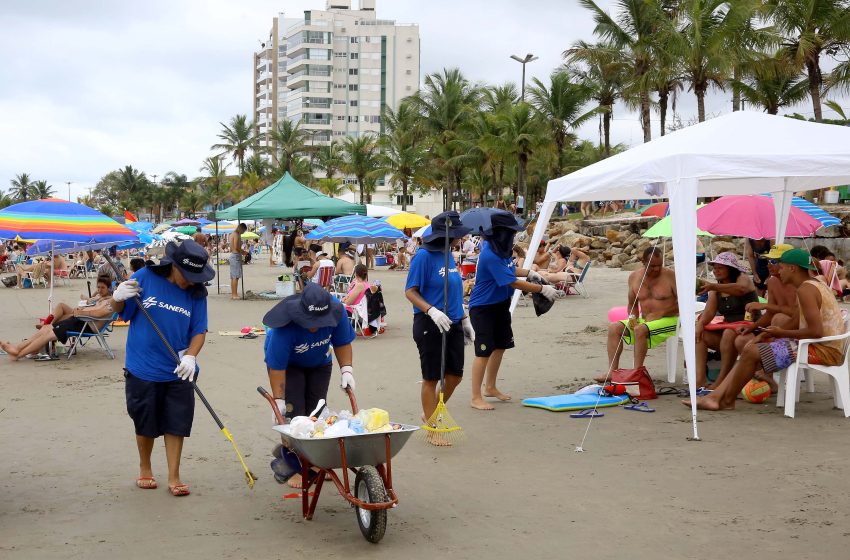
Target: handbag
<point>646,387</point>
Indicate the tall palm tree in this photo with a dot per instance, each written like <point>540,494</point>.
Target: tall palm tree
<point>288,142</point>
<point>494,98</point>
<point>176,185</point>
<point>331,186</point>
<point>361,160</point>
<point>447,103</point>
<point>600,67</point>
<point>133,188</point>
<point>330,159</point>
<point>404,155</point>
<point>811,29</point>
<point>21,187</point>
<point>257,165</point>
<point>214,182</point>
<point>562,106</point>
<point>5,200</point>
<point>524,132</point>
<point>192,201</point>
<point>634,31</point>
<point>773,84</point>
<point>40,189</point>
<point>236,139</point>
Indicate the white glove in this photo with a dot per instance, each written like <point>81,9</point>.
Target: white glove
<point>126,290</point>
<point>186,369</point>
<point>347,377</point>
<point>534,276</point>
<point>281,407</point>
<point>549,292</point>
<point>468,332</point>
<point>440,319</point>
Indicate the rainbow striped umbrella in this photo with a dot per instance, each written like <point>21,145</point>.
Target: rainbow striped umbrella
<point>60,220</point>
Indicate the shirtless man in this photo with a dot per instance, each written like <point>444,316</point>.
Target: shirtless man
<point>541,258</point>
<point>200,238</point>
<point>235,259</point>
<point>345,264</point>
<point>659,309</point>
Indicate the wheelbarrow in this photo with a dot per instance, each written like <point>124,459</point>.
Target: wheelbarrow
<point>368,457</point>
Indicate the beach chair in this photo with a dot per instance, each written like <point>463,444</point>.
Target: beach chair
<point>341,283</point>
<point>672,346</point>
<point>359,317</point>
<point>62,275</point>
<point>578,287</point>
<point>89,331</point>
<point>789,392</point>
<point>325,277</point>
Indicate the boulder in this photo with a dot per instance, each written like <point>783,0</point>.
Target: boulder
<point>721,246</point>
<point>598,244</point>
<point>612,235</point>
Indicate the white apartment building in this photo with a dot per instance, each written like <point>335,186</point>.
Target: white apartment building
<point>334,71</point>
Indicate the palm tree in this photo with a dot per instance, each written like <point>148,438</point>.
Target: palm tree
<point>812,28</point>
<point>330,159</point>
<point>5,200</point>
<point>634,32</point>
<point>404,156</point>
<point>213,183</point>
<point>561,106</point>
<point>257,165</point>
<point>523,132</point>
<point>40,189</point>
<point>192,201</point>
<point>773,84</point>
<point>288,141</point>
<point>21,189</point>
<point>133,186</point>
<point>447,104</point>
<point>176,184</point>
<point>331,186</point>
<point>839,78</point>
<point>361,160</point>
<point>600,68</point>
<point>237,138</point>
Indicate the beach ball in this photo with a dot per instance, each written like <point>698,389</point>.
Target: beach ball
<point>618,314</point>
<point>756,391</point>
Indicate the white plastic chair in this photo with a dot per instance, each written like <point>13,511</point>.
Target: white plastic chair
<point>789,392</point>
<point>672,346</point>
<point>359,315</point>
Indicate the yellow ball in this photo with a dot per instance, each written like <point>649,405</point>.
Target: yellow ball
<point>756,391</point>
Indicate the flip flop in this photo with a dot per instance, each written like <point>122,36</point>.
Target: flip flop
<point>639,407</point>
<point>146,483</point>
<point>179,489</point>
<point>587,413</point>
<point>249,335</point>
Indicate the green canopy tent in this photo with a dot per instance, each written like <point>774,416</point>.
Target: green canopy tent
<point>286,199</point>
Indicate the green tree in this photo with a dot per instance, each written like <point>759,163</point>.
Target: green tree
<point>812,29</point>
<point>404,155</point>
<point>176,185</point>
<point>40,189</point>
<point>133,188</point>
<point>214,184</point>
<point>192,201</point>
<point>331,186</point>
<point>5,200</point>
<point>257,165</point>
<point>330,159</point>
<point>21,190</point>
<point>361,160</point>
<point>237,138</point>
<point>773,83</point>
<point>288,142</point>
<point>523,131</point>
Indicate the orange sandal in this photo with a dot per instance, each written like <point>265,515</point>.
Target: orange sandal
<point>179,489</point>
<point>146,482</point>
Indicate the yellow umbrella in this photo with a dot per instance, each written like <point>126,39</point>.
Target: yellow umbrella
<point>250,235</point>
<point>408,220</point>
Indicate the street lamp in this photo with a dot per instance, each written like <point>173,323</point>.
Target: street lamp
<point>520,175</point>
<point>528,58</point>
<point>69,190</point>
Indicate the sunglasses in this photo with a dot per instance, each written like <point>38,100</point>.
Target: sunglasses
<point>773,261</point>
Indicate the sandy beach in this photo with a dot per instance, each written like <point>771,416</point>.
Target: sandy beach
<point>758,485</point>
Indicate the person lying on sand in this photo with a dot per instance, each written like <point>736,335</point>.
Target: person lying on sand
<point>817,316</point>
<point>654,287</point>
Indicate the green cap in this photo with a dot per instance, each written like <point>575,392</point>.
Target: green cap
<point>797,257</point>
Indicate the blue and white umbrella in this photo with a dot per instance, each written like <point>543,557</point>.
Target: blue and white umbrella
<point>825,218</point>
<point>356,229</point>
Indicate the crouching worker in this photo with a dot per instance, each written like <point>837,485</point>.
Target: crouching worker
<point>303,330</point>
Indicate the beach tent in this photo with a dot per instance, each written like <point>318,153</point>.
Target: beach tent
<point>287,199</point>
<point>739,153</point>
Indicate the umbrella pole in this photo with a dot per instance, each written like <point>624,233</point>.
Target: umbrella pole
<point>216,253</point>
<point>50,296</point>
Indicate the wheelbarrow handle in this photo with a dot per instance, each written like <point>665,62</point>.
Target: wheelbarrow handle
<point>278,416</point>
<point>350,392</point>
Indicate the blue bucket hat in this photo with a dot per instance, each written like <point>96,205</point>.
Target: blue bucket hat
<point>438,227</point>
<point>191,259</point>
<point>313,308</point>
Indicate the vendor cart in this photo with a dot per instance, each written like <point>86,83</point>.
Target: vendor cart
<point>368,457</point>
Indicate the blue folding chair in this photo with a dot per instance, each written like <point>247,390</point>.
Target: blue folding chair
<point>90,330</point>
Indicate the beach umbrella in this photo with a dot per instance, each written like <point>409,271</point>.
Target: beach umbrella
<point>311,223</point>
<point>140,226</point>
<point>203,221</point>
<point>404,220</point>
<point>186,222</point>
<point>250,235</point>
<point>161,228</point>
<point>174,236</point>
<point>753,217</point>
<point>825,218</point>
<point>664,228</point>
<point>45,246</point>
<point>223,228</point>
<point>55,220</point>
<point>188,230</point>
<point>356,229</point>
<point>479,219</point>
<point>376,211</point>
<point>425,230</point>
<point>659,209</point>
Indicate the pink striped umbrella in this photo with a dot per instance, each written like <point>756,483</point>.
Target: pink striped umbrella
<point>752,216</point>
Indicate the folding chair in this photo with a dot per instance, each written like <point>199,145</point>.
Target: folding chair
<point>62,275</point>
<point>359,317</point>
<point>90,330</point>
<point>325,277</point>
<point>341,283</point>
<point>578,287</point>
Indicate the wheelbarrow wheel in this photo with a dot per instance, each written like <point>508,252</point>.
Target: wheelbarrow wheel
<point>369,488</point>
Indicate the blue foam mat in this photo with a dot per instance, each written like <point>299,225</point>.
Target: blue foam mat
<point>562,403</point>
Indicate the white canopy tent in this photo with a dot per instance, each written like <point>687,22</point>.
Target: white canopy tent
<point>739,153</point>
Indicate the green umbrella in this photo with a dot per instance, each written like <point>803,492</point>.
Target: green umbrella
<point>188,230</point>
<point>664,228</point>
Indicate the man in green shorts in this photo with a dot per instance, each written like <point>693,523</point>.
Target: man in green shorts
<point>654,287</point>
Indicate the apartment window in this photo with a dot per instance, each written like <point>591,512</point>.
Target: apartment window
<point>339,101</point>
<point>408,72</point>
<point>354,55</point>
<point>340,55</point>
<point>355,39</point>
<point>339,86</point>
<point>352,87</point>
<point>354,71</point>
<point>401,199</point>
<point>353,103</point>
<point>352,119</point>
<point>340,117</point>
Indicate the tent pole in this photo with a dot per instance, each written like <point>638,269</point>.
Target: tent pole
<point>238,221</point>
<point>216,253</point>
<point>542,222</point>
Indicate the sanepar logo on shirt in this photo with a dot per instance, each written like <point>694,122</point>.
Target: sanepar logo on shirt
<point>443,271</point>
<point>151,301</point>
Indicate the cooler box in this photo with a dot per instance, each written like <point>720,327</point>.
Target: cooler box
<point>467,269</point>
<point>380,260</point>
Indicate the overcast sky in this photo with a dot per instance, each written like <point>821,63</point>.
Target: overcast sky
<point>90,86</point>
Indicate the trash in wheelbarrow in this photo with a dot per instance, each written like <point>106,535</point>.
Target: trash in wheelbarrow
<point>340,424</point>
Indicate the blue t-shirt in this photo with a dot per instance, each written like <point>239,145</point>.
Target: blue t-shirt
<point>426,273</point>
<point>493,278</point>
<point>179,316</point>
<point>294,345</point>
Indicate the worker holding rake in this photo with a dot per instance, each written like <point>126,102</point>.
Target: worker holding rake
<point>160,397</point>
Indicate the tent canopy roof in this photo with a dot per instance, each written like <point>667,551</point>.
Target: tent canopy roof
<point>287,198</point>
<point>739,153</point>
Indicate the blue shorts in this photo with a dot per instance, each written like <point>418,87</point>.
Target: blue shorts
<point>158,408</point>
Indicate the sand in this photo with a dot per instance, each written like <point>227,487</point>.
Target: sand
<point>758,485</point>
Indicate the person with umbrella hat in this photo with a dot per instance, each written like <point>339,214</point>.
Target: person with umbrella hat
<point>159,399</point>
<point>496,278</point>
<point>424,289</point>
<point>303,331</point>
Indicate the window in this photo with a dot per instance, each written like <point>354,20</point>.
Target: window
<point>352,87</point>
<point>353,103</point>
<point>354,56</point>
<point>355,40</point>
<point>340,117</point>
<point>354,71</point>
<point>340,55</point>
<point>339,101</point>
<point>408,72</point>
<point>400,199</point>
<point>339,86</point>
<point>352,119</point>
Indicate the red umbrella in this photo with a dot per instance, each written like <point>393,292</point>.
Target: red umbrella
<point>658,209</point>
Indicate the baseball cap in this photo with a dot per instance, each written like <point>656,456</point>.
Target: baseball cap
<point>777,250</point>
<point>797,257</point>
